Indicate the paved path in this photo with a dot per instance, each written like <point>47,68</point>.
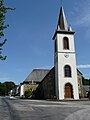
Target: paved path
<point>4,112</point>
<point>16,109</point>
<point>80,115</point>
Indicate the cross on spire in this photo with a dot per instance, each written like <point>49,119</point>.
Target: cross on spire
<point>61,2</point>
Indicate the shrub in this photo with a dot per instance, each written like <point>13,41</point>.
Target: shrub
<point>28,93</point>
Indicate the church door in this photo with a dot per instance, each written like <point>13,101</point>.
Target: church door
<point>68,91</point>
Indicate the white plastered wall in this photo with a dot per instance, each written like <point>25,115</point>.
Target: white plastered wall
<point>60,62</point>
<point>21,90</point>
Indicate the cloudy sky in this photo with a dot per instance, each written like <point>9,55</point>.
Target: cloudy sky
<point>32,26</point>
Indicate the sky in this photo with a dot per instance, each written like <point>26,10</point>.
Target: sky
<point>31,28</point>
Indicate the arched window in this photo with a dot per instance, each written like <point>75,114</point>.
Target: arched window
<point>65,43</point>
<point>67,71</point>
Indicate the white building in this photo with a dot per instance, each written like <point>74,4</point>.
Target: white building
<point>66,83</point>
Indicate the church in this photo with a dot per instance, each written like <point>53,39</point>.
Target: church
<point>64,80</point>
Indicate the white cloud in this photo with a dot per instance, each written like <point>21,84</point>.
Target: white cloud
<point>84,20</point>
<point>4,77</point>
<point>81,14</point>
<point>83,66</point>
<point>44,67</point>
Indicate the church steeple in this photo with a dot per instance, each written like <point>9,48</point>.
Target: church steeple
<point>62,26</point>
<point>66,84</point>
<point>62,21</point>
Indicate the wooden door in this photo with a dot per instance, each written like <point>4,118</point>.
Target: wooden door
<point>68,91</point>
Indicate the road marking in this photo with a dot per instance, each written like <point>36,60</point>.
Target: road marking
<point>75,105</point>
<point>23,107</point>
<point>79,115</point>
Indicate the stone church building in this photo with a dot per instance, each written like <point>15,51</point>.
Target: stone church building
<point>63,81</point>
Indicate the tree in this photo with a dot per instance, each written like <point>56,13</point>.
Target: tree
<point>85,81</point>
<point>6,87</point>
<point>9,86</point>
<point>3,89</point>
<point>3,11</point>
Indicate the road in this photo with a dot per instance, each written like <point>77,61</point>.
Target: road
<point>18,109</point>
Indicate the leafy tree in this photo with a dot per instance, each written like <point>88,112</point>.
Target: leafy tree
<point>9,86</point>
<point>6,87</point>
<point>3,11</point>
<point>85,81</point>
<point>2,89</point>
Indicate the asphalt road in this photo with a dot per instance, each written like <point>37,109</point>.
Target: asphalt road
<point>18,109</point>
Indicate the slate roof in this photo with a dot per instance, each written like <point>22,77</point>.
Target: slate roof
<point>37,75</point>
<point>79,71</point>
<point>62,22</point>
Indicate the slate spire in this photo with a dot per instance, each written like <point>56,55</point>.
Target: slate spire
<point>62,22</point>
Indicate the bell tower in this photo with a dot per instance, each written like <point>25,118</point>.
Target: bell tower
<point>66,84</point>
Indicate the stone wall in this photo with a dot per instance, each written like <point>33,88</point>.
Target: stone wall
<point>30,86</point>
<point>46,89</point>
<point>79,76</point>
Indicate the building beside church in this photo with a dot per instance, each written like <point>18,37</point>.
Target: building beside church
<point>63,81</point>
<point>33,80</point>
